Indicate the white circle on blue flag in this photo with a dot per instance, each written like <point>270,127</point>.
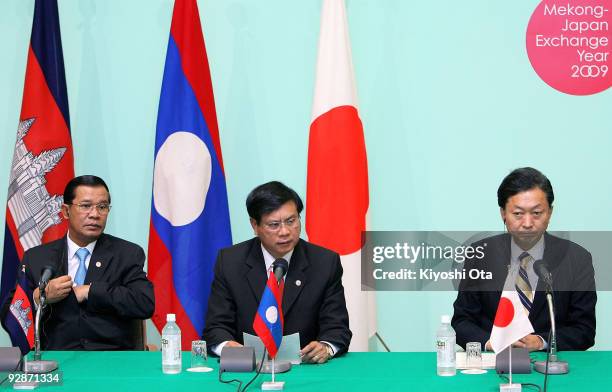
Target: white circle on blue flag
<point>181,178</point>
<point>272,314</point>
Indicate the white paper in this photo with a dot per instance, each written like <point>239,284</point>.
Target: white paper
<point>488,360</point>
<point>289,349</point>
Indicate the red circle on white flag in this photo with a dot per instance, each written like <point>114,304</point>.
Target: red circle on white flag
<point>505,313</point>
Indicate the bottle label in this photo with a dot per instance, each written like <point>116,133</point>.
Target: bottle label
<point>171,349</point>
<point>446,351</point>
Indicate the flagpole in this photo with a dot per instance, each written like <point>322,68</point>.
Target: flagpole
<point>510,363</point>
<point>273,372</point>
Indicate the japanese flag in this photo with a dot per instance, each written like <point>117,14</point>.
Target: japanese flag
<point>337,184</point>
<point>511,322</point>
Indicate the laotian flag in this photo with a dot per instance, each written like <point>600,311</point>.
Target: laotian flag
<point>337,183</point>
<point>511,322</point>
<point>189,211</point>
<point>42,165</point>
<point>269,321</point>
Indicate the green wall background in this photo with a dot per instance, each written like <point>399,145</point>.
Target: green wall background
<point>449,102</point>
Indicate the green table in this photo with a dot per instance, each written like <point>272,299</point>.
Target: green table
<point>134,371</point>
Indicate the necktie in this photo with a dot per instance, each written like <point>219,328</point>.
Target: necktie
<point>79,277</point>
<point>523,288</point>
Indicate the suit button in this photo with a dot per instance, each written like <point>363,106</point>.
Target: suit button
<point>84,341</point>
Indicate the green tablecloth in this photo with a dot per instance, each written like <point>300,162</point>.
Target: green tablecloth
<point>120,371</point>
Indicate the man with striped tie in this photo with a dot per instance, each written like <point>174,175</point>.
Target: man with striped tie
<point>525,198</point>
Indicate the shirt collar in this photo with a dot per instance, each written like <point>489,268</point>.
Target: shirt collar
<point>269,259</point>
<point>73,247</point>
<point>537,251</point>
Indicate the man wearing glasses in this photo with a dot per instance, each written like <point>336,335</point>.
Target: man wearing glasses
<point>313,299</point>
<point>99,293</point>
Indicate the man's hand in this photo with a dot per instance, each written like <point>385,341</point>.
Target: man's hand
<point>232,343</point>
<point>57,289</point>
<point>315,352</point>
<point>81,292</point>
<point>530,342</point>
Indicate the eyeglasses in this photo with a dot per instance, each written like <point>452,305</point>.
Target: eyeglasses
<point>274,226</point>
<point>102,208</point>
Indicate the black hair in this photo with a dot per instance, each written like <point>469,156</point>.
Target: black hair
<point>87,180</point>
<point>269,197</point>
<point>521,180</point>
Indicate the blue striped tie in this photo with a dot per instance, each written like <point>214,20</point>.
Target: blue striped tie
<point>79,277</point>
<point>523,287</point>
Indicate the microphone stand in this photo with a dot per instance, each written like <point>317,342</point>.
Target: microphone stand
<point>552,365</point>
<point>38,365</point>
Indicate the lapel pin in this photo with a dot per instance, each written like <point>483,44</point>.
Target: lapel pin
<point>298,283</point>
<point>98,264</point>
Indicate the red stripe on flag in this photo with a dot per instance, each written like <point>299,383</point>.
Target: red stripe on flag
<point>49,131</point>
<point>337,189</point>
<point>166,300</point>
<point>187,33</point>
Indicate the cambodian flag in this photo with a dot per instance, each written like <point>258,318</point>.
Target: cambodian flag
<point>189,212</point>
<point>42,166</point>
<point>269,322</point>
<point>19,320</point>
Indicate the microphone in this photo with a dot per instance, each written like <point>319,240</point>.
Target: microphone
<point>280,267</point>
<point>47,273</point>
<point>552,365</point>
<point>38,365</point>
<point>543,273</point>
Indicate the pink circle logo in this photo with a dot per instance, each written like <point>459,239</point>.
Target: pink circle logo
<point>568,44</point>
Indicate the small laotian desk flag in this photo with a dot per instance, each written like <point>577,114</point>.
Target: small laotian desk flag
<point>268,323</point>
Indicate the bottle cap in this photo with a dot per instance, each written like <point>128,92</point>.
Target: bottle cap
<point>170,317</point>
<point>445,319</point>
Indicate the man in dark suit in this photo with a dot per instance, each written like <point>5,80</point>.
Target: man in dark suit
<point>313,301</point>
<point>102,293</point>
<point>525,199</point>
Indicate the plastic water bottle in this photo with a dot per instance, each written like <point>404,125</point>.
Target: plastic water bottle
<point>445,346</point>
<point>171,346</point>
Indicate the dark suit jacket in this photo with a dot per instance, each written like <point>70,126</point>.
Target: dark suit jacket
<point>315,307</point>
<point>120,296</point>
<point>574,297</point>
